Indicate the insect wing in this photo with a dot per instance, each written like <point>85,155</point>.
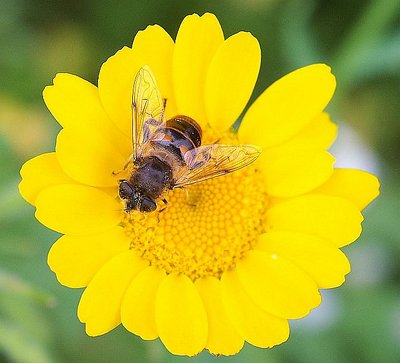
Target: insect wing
<point>210,161</point>
<point>147,109</point>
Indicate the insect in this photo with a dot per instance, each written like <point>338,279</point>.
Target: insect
<point>168,154</point>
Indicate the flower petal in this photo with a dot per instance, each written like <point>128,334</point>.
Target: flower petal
<point>156,48</point>
<point>287,106</point>
<point>76,105</point>
<point>180,316</point>
<point>295,172</point>
<point>77,209</point>
<point>197,40</point>
<point>332,218</point>
<point>325,263</point>
<point>40,173</point>
<point>319,134</point>
<point>222,336</point>
<point>115,87</point>
<point>100,303</point>
<point>255,325</point>
<point>74,102</point>
<point>138,306</point>
<point>76,259</point>
<point>89,160</point>
<point>356,185</point>
<point>277,286</point>
<point>230,79</point>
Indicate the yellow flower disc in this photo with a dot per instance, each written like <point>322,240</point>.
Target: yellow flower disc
<point>206,228</point>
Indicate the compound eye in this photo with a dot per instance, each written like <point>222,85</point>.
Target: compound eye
<point>125,190</point>
<point>147,205</point>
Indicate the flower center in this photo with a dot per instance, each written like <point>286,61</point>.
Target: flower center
<point>206,227</point>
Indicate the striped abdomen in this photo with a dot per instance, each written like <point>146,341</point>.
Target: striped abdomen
<point>181,134</point>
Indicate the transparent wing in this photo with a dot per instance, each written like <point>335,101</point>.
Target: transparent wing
<point>210,161</point>
<point>147,109</point>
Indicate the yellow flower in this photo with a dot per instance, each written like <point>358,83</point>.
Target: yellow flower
<point>231,259</point>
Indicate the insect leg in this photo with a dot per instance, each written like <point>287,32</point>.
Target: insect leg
<point>163,109</point>
<point>165,205</point>
<point>130,159</point>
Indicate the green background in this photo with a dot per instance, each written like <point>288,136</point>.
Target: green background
<point>360,322</point>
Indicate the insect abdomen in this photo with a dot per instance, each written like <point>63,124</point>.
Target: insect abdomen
<point>187,127</point>
<point>181,134</point>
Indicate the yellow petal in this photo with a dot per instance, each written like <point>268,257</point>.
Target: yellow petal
<point>255,325</point>
<point>197,40</point>
<point>180,316</point>
<point>89,160</point>
<point>138,306</point>
<point>277,285</point>
<point>332,218</point>
<point>222,336</point>
<point>287,106</point>
<point>319,134</point>
<point>156,47</point>
<point>76,259</point>
<point>76,105</point>
<point>295,172</point>
<point>100,304</point>
<point>73,101</point>
<point>115,87</point>
<point>77,209</point>
<point>325,263</point>
<point>40,173</point>
<point>230,79</point>
<point>358,186</point>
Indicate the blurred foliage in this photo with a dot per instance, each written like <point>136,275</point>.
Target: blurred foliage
<point>361,41</point>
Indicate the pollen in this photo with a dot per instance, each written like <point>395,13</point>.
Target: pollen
<point>205,228</point>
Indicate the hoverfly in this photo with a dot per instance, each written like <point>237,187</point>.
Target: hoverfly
<point>168,154</point>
